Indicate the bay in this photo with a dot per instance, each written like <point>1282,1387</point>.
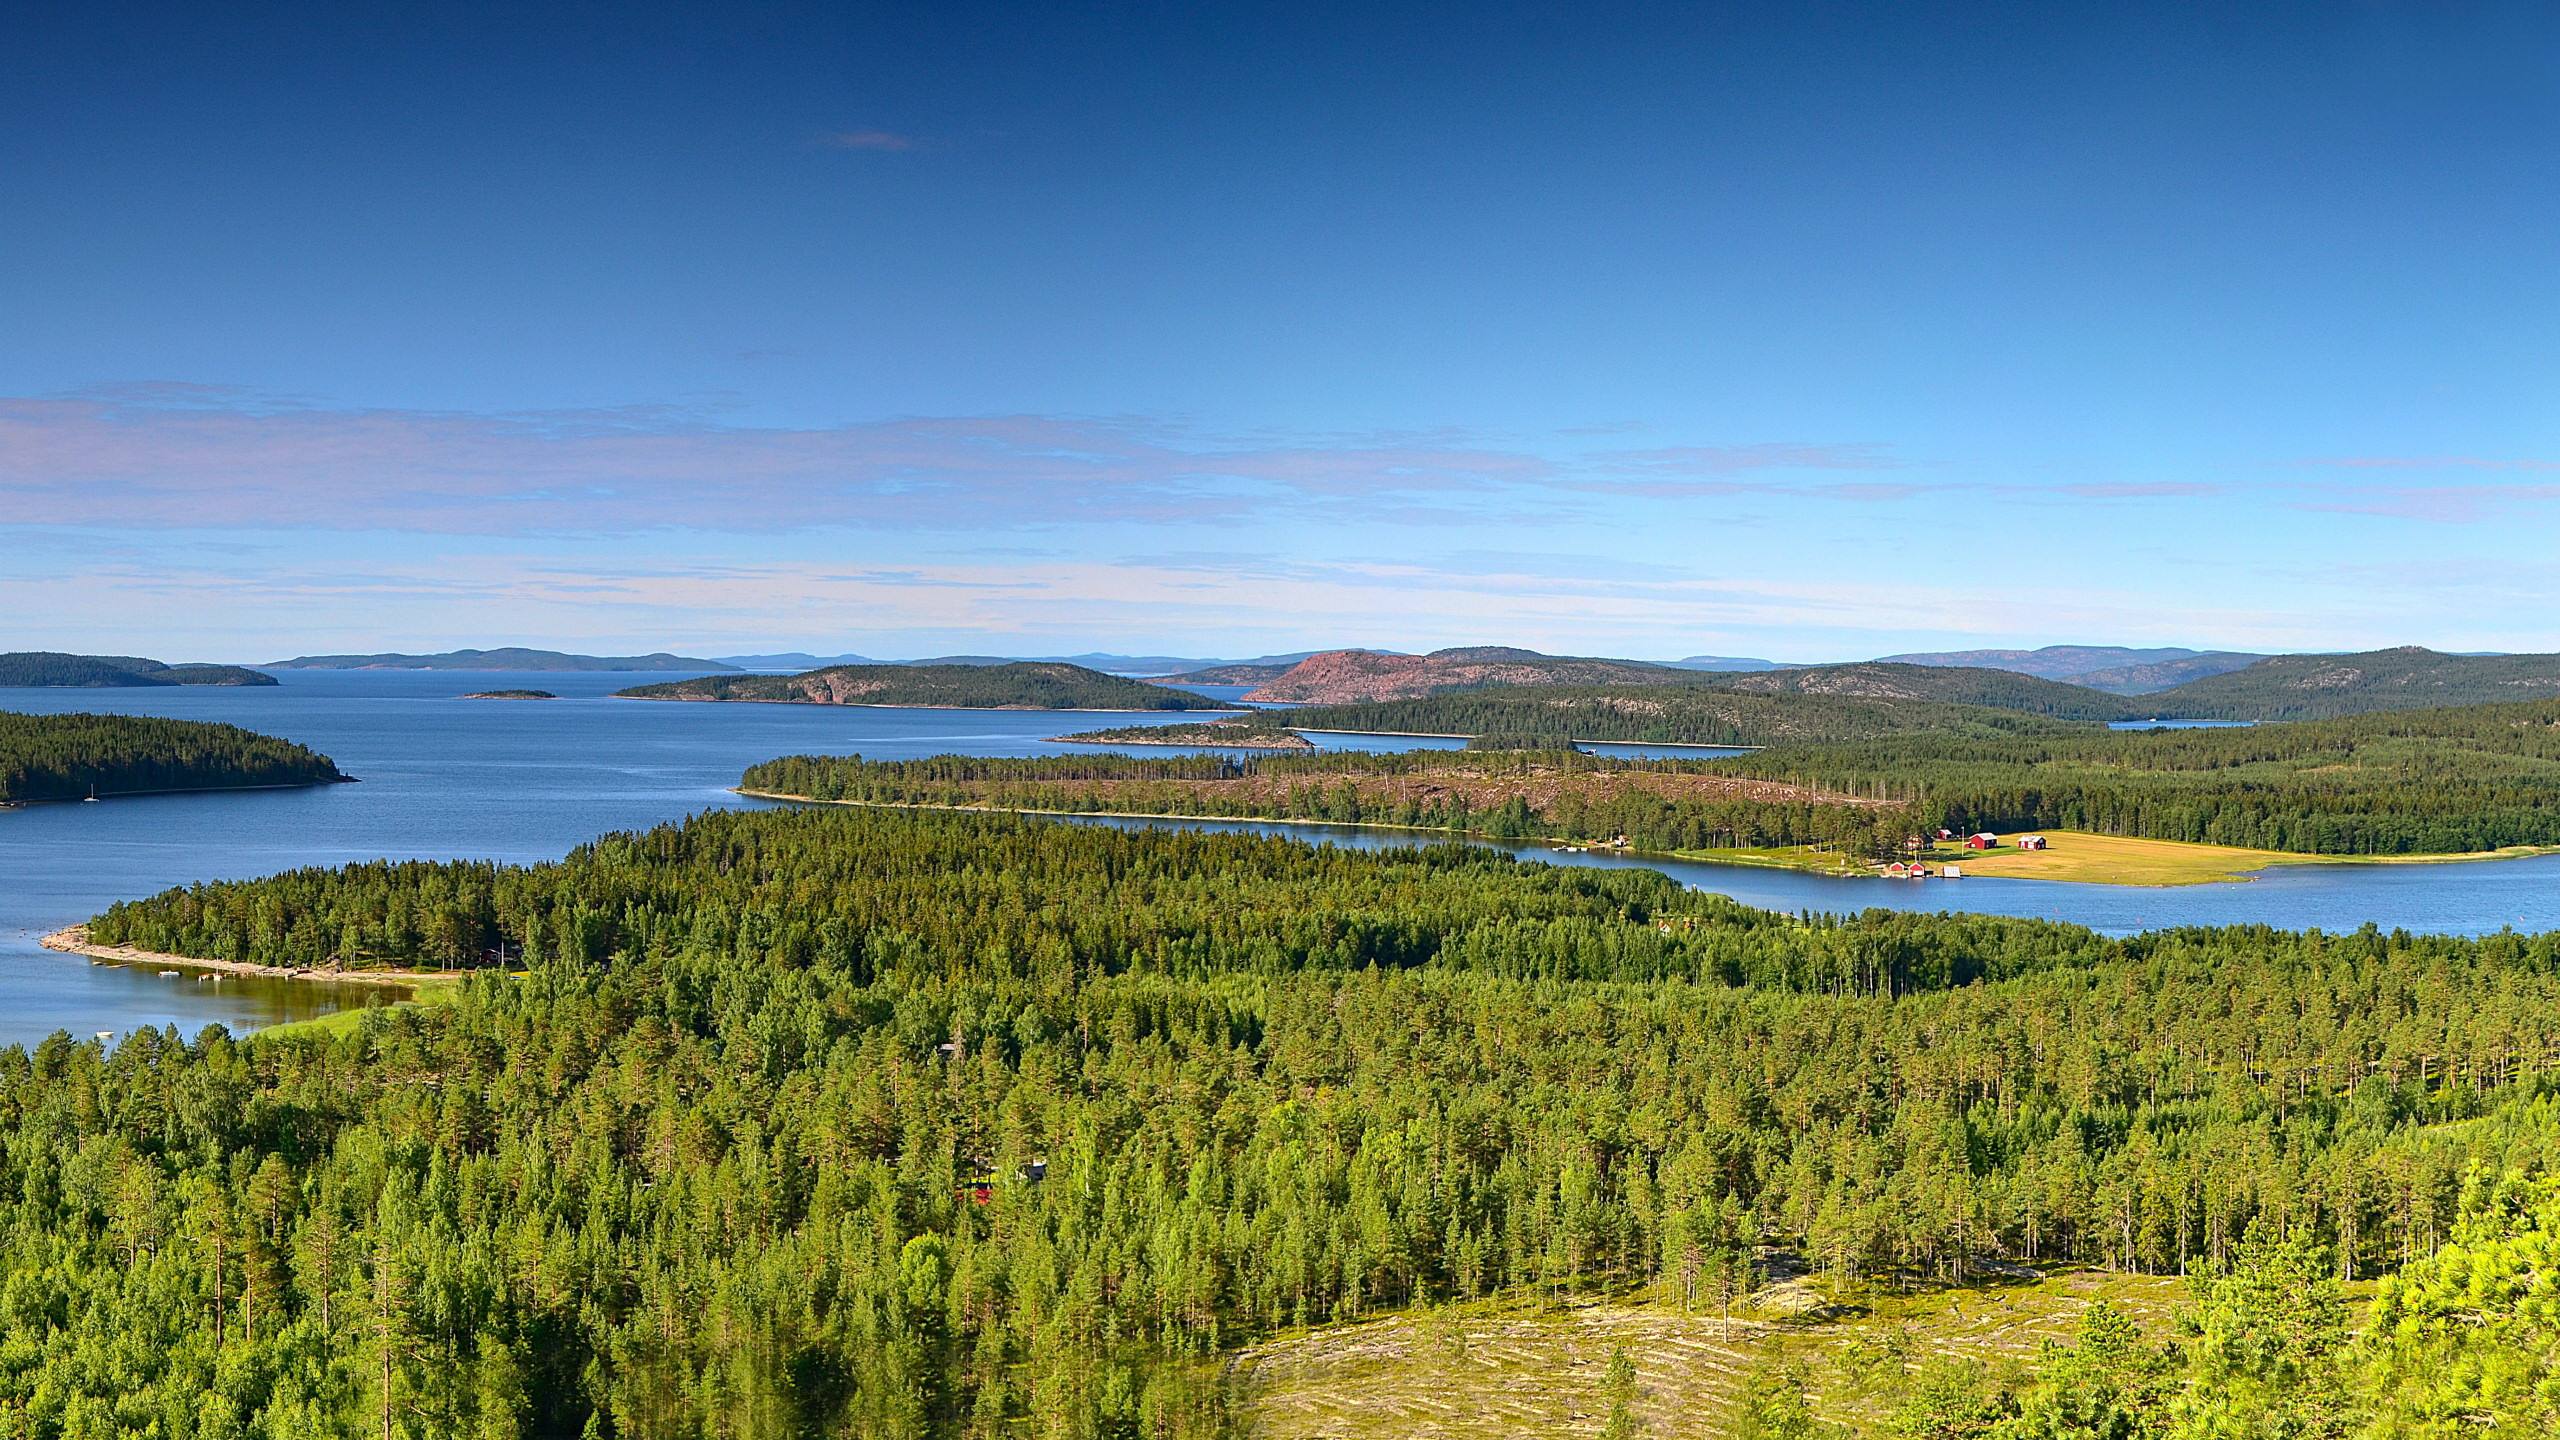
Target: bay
<point>525,781</point>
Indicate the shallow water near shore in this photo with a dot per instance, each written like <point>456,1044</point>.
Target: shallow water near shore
<point>527,780</point>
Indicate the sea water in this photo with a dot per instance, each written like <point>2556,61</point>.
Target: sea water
<point>527,780</point>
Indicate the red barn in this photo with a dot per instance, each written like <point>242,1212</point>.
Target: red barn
<point>1984,841</point>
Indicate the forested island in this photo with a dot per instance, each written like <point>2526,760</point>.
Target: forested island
<point>888,1123</point>
<point>72,757</point>
<point>510,695</point>
<point>504,658</point>
<point>51,669</point>
<point>1023,685</point>
<point>1251,733</point>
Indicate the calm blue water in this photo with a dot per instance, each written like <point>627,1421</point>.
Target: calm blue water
<point>527,780</point>
<point>2460,899</point>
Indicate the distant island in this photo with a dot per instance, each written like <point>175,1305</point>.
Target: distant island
<point>1249,734</point>
<point>52,669</point>
<point>1023,685</point>
<point>75,757</point>
<point>510,695</point>
<point>508,658</point>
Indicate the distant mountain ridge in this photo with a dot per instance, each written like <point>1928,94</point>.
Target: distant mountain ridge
<point>2053,662</point>
<point>2147,679</point>
<point>56,670</point>
<point>1723,663</point>
<point>505,658</point>
<point>2315,687</point>
<point>2116,669</point>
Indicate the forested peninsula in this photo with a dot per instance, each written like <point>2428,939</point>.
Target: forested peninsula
<point>50,669</point>
<point>1656,805</point>
<point>71,757</point>
<point>2466,780</point>
<point>1686,714</point>
<point>900,1124</point>
<point>1023,685</point>
<point>1252,733</point>
<point>504,658</point>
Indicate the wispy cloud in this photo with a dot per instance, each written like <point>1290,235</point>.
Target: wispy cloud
<point>1736,459</point>
<point>2442,504</point>
<point>2427,462</point>
<point>190,461</point>
<point>869,140</point>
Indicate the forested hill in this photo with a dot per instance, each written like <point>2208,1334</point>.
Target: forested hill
<point>1952,685</point>
<point>69,757</point>
<point>1658,805</point>
<point>2431,782</point>
<point>872,1123</point>
<point>55,670</point>
<point>505,658</point>
<point>1340,677</point>
<point>2445,781</point>
<point>1022,685</point>
<point>1686,713</point>
<point>2312,687</point>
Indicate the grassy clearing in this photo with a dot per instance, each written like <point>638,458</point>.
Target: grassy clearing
<point>2089,859</point>
<point>1783,857</point>
<point>1486,1370</point>
<point>430,990</point>
<point>2113,860</point>
<point>2126,860</point>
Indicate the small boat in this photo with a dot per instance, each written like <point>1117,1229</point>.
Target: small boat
<point>169,974</point>
<point>93,796</point>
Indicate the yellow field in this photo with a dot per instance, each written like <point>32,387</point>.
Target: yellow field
<point>2112,860</point>
<point>1487,1370</point>
<point>2123,860</point>
<point>2092,859</point>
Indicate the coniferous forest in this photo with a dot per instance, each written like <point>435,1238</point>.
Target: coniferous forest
<point>837,1122</point>
<point>2411,782</point>
<point>69,757</point>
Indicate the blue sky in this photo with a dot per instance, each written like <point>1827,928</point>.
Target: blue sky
<point>1792,330</point>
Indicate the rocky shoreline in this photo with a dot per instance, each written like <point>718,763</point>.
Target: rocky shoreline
<point>74,940</point>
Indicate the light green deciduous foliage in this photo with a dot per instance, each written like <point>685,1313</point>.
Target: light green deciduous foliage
<point>2107,1385</point>
<point>2466,1342</point>
<point>2265,1361</point>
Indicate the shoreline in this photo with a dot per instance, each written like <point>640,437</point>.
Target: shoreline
<point>1303,747</point>
<point>1576,739</point>
<point>868,705</point>
<point>74,940</point>
<point>180,790</point>
<point>1690,857</point>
